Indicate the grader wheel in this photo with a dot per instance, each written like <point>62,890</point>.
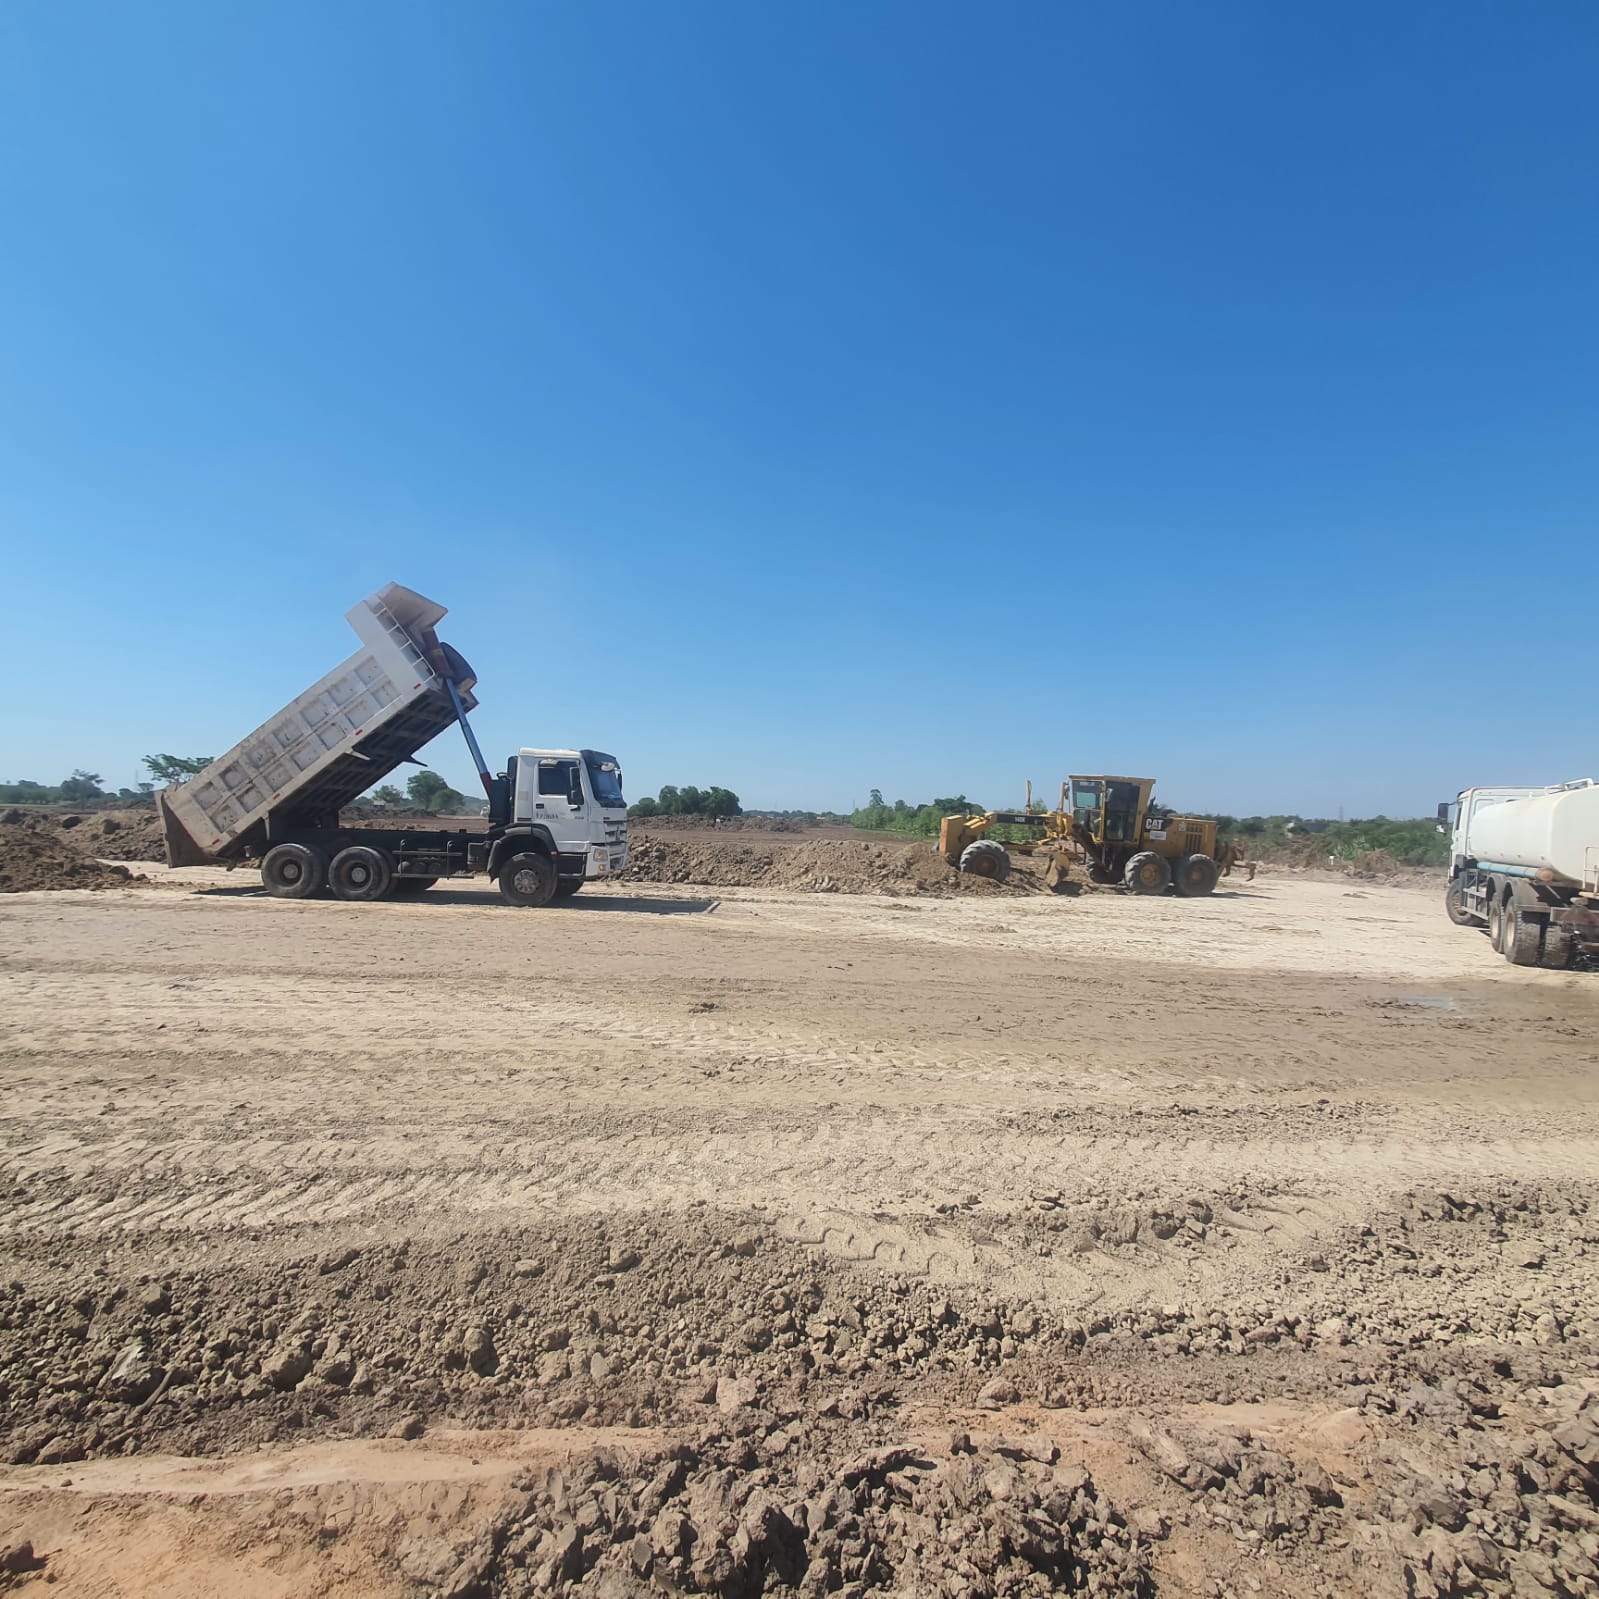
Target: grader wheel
<point>1195,875</point>
<point>987,859</point>
<point>1148,873</point>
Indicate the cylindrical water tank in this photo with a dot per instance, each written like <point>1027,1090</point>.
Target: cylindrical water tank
<point>1556,833</point>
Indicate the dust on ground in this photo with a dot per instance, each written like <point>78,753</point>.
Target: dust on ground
<point>770,1241</point>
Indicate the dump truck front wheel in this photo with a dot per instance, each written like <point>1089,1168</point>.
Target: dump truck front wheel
<point>1195,875</point>
<point>361,873</point>
<point>294,871</point>
<point>528,881</point>
<point>1148,873</point>
<point>987,859</point>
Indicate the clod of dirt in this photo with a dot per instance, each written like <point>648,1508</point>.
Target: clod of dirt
<point>35,857</point>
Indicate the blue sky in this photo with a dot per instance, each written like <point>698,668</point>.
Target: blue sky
<point>813,397</point>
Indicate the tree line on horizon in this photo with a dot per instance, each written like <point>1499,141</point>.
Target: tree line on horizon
<point>688,801</point>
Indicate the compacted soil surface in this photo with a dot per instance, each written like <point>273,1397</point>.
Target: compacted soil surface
<point>682,1240</point>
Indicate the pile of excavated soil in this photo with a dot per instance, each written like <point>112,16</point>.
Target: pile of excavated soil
<point>822,867</point>
<point>119,836</point>
<point>34,857</point>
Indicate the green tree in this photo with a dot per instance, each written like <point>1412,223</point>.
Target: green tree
<point>81,786</point>
<point>389,797</point>
<point>429,792</point>
<point>173,768</point>
<point>644,807</point>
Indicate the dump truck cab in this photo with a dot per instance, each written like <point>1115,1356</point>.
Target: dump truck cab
<point>570,800</point>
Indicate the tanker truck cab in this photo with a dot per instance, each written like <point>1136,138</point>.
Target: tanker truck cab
<point>564,807</point>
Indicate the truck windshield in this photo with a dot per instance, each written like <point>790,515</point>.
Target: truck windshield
<point>605,778</point>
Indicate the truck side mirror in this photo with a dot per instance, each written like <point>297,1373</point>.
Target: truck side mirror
<point>1443,816</point>
<point>574,796</point>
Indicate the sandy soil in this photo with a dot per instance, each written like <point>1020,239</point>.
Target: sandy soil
<point>670,1241</point>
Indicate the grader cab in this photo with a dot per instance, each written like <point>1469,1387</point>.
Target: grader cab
<point>1110,825</point>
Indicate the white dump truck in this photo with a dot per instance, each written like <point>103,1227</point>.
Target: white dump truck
<point>556,817</point>
<point>1524,864</point>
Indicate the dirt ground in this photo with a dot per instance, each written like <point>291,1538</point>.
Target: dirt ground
<point>748,1240</point>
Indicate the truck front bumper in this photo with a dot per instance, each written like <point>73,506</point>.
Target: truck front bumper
<point>605,860</point>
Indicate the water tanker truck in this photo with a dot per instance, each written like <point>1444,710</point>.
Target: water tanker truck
<point>1524,864</point>
<point>556,817</point>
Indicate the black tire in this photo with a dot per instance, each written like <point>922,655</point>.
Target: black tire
<point>1496,918</point>
<point>566,887</point>
<point>1147,873</point>
<point>1195,875</point>
<point>294,871</point>
<point>411,887</point>
<point>986,858</point>
<point>1455,905</point>
<point>1557,946</point>
<point>528,881</point>
<point>361,873</point>
<point>1523,936</point>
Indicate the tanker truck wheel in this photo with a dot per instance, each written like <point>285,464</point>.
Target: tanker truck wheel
<point>528,881</point>
<point>1455,905</point>
<point>1195,875</point>
<point>1557,943</point>
<point>1148,873</point>
<point>1523,936</point>
<point>987,859</point>
<point>1520,934</point>
<point>361,873</point>
<point>1496,919</point>
<point>294,871</point>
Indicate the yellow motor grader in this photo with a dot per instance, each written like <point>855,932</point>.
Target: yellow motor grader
<point>1109,825</point>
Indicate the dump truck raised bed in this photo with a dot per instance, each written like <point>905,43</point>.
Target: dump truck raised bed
<point>1524,864</point>
<point>556,817</point>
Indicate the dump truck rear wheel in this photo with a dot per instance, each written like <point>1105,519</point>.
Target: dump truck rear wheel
<point>361,873</point>
<point>987,859</point>
<point>528,881</point>
<point>1455,905</point>
<point>566,887</point>
<point>1196,875</point>
<point>294,871</point>
<point>1148,873</point>
<point>410,887</point>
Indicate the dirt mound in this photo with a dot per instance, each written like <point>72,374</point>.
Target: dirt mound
<point>35,855</point>
<point>724,824</point>
<point>822,867</point>
<point>120,836</point>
